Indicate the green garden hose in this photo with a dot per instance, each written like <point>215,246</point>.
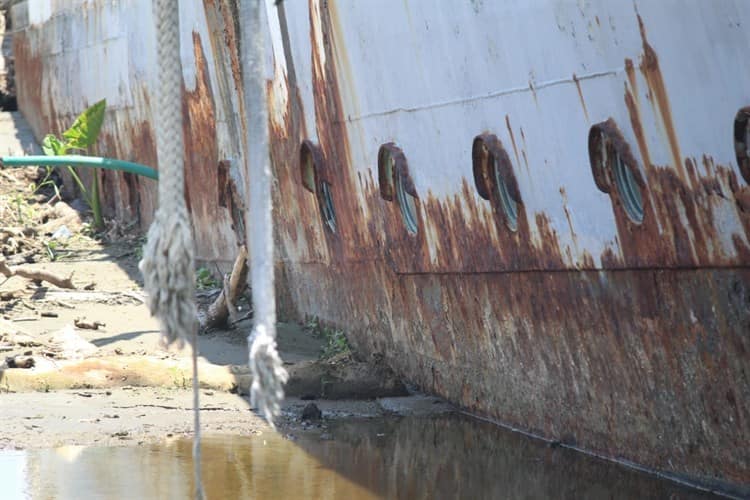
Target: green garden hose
<point>80,161</point>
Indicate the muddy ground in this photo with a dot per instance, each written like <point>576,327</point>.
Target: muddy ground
<point>64,382</point>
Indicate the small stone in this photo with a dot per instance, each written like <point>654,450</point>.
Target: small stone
<point>19,362</point>
<point>311,412</point>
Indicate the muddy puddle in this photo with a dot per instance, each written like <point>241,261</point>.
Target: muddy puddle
<point>409,458</point>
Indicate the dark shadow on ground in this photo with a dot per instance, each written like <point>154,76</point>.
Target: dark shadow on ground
<point>122,336</point>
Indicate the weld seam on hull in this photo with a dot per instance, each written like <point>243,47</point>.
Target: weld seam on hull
<point>498,93</point>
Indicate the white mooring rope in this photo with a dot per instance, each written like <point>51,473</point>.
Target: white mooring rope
<point>168,262</point>
<point>269,375</point>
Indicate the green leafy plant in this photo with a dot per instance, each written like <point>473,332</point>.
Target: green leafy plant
<point>204,279</point>
<point>80,137</point>
<point>334,341</point>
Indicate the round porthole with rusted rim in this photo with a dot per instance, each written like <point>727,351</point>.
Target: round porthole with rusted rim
<point>315,179</point>
<point>494,177</point>
<point>615,169</point>
<point>742,141</point>
<point>396,183</point>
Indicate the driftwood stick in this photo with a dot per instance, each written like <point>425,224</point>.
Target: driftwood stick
<point>36,275</point>
<point>223,306</point>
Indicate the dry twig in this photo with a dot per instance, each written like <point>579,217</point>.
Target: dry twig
<point>223,307</point>
<point>36,275</point>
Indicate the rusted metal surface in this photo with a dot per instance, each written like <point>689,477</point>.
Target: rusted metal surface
<point>71,54</point>
<point>626,338</point>
<point>632,344</point>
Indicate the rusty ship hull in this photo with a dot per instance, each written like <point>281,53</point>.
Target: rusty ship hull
<point>538,210</point>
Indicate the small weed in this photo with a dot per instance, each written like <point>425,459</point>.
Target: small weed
<point>334,341</point>
<point>43,386</point>
<point>178,378</point>
<point>25,213</point>
<point>52,247</point>
<point>139,247</point>
<point>313,325</point>
<point>204,279</point>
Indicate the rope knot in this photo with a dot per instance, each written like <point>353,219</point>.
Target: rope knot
<point>269,375</point>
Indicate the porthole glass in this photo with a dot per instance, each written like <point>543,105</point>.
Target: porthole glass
<point>326,206</point>
<point>408,206</point>
<point>508,205</point>
<point>630,192</point>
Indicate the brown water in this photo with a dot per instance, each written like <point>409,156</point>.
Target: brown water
<point>410,458</point>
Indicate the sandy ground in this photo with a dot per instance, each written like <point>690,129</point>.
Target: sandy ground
<point>117,385</point>
<point>125,388</point>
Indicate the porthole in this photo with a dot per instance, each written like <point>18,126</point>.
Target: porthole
<point>494,177</point>
<point>742,142</point>
<point>314,179</point>
<point>615,169</point>
<point>395,182</point>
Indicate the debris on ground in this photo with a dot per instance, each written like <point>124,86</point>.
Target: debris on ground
<point>88,325</point>
<point>224,310</point>
<point>67,344</point>
<point>19,362</point>
<point>36,275</point>
<point>311,412</point>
